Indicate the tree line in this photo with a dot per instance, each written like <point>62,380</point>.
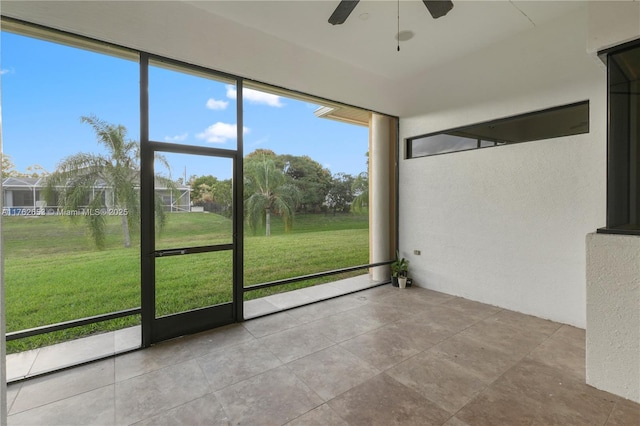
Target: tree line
<point>282,185</point>
<point>297,181</point>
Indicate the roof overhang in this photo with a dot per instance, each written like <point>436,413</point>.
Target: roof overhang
<point>349,115</point>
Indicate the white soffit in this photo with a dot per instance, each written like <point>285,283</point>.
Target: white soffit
<point>349,115</point>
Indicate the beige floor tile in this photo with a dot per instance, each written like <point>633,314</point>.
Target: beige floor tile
<point>563,353</point>
<point>438,379</point>
<point>154,358</point>
<point>343,326</point>
<point>295,343</point>
<point>471,307</point>
<point>454,421</point>
<point>572,335</point>
<point>64,384</point>
<point>12,392</point>
<point>332,371</point>
<point>202,411</point>
<point>485,361</point>
<point>374,293</point>
<point>321,416</point>
<point>562,396</point>
<point>144,396</point>
<point>442,317</point>
<point>383,348</point>
<point>624,413</point>
<point>383,401</point>
<point>270,324</point>
<point>492,407</point>
<point>380,312</point>
<point>222,337</point>
<point>505,405</point>
<point>234,364</point>
<point>429,297</point>
<point>271,398</point>
<point>407,299</point>
<point>90,408</point>
<point>448,361</point>
<point>424,335</point>
<point>515,341</point>
<point>525,322</point>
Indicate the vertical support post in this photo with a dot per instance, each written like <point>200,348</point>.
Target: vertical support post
<point>238,211</point>
<point>147,205</point>
<point>381,203</point>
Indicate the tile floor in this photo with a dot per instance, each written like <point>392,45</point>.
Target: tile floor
<point>382,356</point>
<point>62,355</point>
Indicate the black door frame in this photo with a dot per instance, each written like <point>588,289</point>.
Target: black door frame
<point>157,329</point>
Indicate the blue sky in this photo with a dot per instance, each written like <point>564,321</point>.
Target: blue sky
<point>46,88</point>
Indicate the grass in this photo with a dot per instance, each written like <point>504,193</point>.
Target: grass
<point>53,273</point>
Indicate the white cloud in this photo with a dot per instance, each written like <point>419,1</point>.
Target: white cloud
<point>177,138</point>
<point>5,71</point>
<point>220,132</point>
<point>216,105</point>
<point>255,97</point>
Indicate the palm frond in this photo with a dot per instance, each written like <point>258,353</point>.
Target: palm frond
<point>100,181</point>
<point>256,205</point>
<point>96,221</point>
<point>160,215</point>
<point>113,137</point>
<point>360,202</point>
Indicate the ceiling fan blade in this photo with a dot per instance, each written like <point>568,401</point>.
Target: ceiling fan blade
<point>342,12</point>
<point>438,8</point>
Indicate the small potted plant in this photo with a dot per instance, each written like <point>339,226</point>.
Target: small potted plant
<point>399,271</point>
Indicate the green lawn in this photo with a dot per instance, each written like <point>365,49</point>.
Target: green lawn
<point>53,273</point>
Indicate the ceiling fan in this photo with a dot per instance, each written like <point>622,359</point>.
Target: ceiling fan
<point>437,8</point>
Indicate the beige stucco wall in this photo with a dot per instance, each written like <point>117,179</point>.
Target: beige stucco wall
<point>613,261</point>
<point>506,225</point>
<point>613,314</point>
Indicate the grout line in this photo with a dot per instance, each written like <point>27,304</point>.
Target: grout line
<point>14,399</point>
<point>63,399</point>
<point>33,363</point>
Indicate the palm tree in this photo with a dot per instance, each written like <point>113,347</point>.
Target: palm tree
<point>360,187</point>
<point>102,181</point>
<point>270,193</point>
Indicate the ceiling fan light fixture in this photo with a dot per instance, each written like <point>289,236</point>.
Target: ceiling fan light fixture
<point>405,35</point>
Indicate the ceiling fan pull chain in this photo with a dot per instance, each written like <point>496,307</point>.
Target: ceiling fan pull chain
<point>398,33</point>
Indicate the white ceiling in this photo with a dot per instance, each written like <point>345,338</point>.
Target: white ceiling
<point>370,43</point>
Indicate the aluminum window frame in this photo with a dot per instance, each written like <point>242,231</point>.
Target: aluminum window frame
<point>470,132</point>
